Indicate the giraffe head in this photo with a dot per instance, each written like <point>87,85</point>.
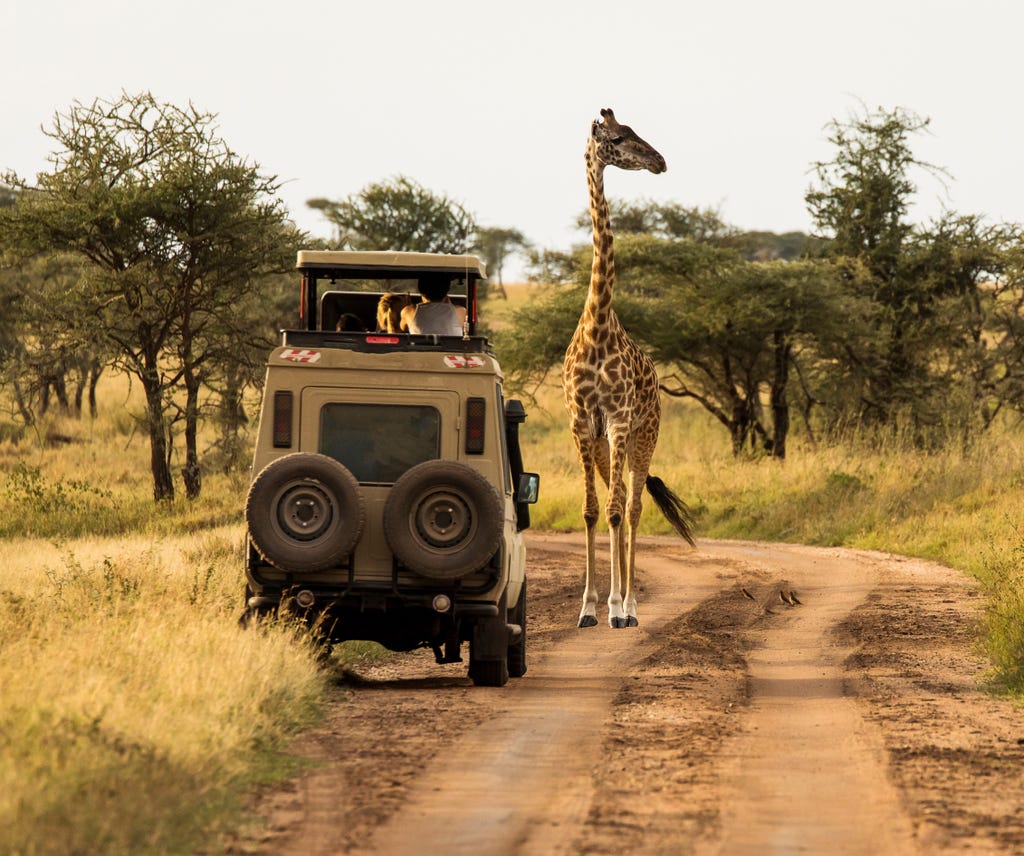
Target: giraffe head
<point>618,145</point>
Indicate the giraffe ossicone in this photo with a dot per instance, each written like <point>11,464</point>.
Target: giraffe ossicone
<point>611,393</point>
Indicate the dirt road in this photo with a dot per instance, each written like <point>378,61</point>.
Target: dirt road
<point>775,699</point>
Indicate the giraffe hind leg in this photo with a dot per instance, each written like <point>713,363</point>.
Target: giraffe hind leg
<point>639,464</point>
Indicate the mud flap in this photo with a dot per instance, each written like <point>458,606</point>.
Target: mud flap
<point>488,650</point>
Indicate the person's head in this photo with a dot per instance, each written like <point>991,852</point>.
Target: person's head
<point>348,322</point>
<point>435,287</point>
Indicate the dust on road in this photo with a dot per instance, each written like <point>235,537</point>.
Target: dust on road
<point>733,720</point>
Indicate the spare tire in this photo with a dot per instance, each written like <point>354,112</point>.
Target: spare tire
<point>443,520</point>
<point>305,512</point>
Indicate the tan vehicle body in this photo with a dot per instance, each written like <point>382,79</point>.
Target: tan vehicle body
<point>388,499</point>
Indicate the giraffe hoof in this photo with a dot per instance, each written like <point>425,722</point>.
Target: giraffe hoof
<point>631,621</point>
<point>617,622</point>
<point>587,621</point>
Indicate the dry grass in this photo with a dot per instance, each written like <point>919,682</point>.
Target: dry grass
<point>134,708</point>
<point>135,712</point>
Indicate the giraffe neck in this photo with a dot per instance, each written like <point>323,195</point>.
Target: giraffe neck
<point>597,309</point>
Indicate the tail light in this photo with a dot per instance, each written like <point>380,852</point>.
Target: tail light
<point>283,402</point>
<point>476,411</point>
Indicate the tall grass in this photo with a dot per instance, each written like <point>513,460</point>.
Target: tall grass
<point>134,709</point>
<point>135,713</point>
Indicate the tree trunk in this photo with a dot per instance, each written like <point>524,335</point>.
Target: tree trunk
<point>23,407</point>
<point>779,399</point>
<point>190,473</point>
<point>232,418</point>
<point>60,388</point>
<point>79,395</point>
<point>95,370</point>
<point>163,484</point>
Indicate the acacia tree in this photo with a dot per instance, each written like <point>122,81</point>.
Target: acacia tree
<point>172,228</point>
<point>931,288</point>
<point>727,333</point>
<point>398,214</point>
<point>668,220</point>
<point>496,245</point>
<point>744,335</point>
<point>860,203</point>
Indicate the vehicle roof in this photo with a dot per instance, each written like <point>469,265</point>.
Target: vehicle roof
<point>382,262</point>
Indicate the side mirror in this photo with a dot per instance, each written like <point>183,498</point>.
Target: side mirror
<point>529,488</point>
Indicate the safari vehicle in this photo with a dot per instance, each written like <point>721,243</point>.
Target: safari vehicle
<point>388,495</point>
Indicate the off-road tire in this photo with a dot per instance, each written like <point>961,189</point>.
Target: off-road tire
<point>305,512</point>
<point>443,520</point>
<point>489,673</point>
<point>492,671</point>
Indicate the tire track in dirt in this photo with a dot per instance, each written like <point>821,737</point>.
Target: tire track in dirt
<point>524,782</point>
<point>806,772</point>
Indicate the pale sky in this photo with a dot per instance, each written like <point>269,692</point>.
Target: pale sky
<point>491,103</point>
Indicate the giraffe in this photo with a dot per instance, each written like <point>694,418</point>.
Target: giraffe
<point>611,393</point>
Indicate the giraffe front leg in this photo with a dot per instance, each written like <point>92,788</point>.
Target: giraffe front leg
<point>616,614</point>
<point>629,593</point>
<point>591,510</point>
<point>628,550</point>
<point>616,500</point>
<point>617,440</point>
<point>588,612</point>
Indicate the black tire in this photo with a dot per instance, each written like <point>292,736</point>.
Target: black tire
<point>305,512</point>
<point>443,520</point>
<point>517,650</point>
<point>488,647</point>
<point>488,673</point>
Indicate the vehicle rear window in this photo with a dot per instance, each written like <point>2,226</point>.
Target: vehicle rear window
<point>379,442</point>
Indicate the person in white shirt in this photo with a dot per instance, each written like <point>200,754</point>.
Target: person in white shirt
<point>436,313</point>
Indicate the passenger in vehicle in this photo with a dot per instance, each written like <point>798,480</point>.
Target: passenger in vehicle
<point>436,314</point>
<point>350,323</point>
<point>389,312</point>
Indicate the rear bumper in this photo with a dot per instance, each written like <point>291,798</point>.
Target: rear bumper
<point>367,603</point>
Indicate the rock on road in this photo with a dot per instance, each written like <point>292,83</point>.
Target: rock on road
<point>775,699</point>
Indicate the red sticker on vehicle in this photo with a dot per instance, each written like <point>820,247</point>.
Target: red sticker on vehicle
<point>458,361</point>
<point>299,355</point>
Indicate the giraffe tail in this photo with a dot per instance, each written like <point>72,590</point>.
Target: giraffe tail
<point>672,507</point>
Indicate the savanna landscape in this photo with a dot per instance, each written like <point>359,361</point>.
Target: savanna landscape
<point>837,664</point>
<point>139,717</point>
